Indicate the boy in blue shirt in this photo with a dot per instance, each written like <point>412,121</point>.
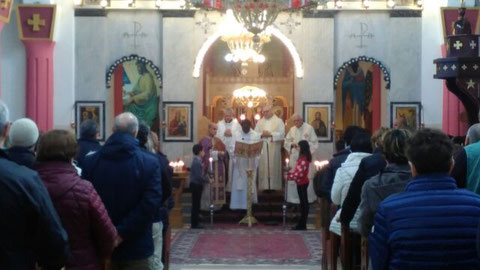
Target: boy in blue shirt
<point>197,180</point>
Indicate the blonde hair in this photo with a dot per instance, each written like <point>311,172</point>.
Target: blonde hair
<point>377,137</point>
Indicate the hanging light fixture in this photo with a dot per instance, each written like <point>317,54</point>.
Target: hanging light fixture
<point>241,42</point>
<point>391,3</point>
<point>131,3</point>
<point>158,3</point>
<point>250,96</point>
<point>257,15</point>
<point>104,3</point>
<point>78,2</point>
<point>367,3</point>
<point>338,3</point>
<point>420,3</point>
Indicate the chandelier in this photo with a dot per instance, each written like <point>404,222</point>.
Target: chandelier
<point>250,96</point>
<point>257,15</point>
<point>241,42</point>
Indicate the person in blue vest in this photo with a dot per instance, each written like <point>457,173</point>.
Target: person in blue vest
<point>432,224</point>
<point>128,181</point>
<point>467,161</point>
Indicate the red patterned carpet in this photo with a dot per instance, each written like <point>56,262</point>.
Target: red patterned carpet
<point>247,246</point>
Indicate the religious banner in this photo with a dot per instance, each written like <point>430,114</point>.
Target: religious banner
<point>5,10</point>
<point>450,16</point>
<point>319,116</point>
<point>136,84</point>
<point>408,112</point>
<point>178,117</point>
<point>90,110</point>
<point>36,22</point>
<point>361,85</point>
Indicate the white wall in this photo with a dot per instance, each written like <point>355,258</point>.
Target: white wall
<point>14,67</point>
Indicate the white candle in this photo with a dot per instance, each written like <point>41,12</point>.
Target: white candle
<point>180,165</point>
<point>210,160</point>
<point>286,162</point>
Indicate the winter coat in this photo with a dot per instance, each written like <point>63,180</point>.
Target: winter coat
<point>129,182</point>
<point>432,225</point>
<point>85,147</point>
<point>341,184</point>
<point>91,234</point>
<point>344,176</point>
<point>331,170</point>
<point>30,230</point>
<point>22,156</point>
<point>391,180</point>
<point>300,173</point>
<point>369,167</point>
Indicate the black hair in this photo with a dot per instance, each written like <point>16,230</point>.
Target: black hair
<point>197,148</point>
<point>305,150</point>
<point>394,144</point>
<point>361,143</point>
<point>340,145</point>
<point>88,129</point>
<point>142,135</point>
<point>430,151</point>
<point>350,132</point>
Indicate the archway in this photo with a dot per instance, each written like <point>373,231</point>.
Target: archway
<point>360,86</point>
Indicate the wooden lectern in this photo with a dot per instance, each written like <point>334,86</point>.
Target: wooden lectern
<point>249,151</point>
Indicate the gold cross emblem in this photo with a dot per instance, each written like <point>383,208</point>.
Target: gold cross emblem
<point>36,22</point>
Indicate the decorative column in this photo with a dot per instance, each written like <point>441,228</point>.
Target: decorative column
<point>5,11</point>
<point>36,27</point>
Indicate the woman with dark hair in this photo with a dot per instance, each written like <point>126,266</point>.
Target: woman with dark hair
<point>300,176</point>
<point>91,234</point>
<point>391,179</point>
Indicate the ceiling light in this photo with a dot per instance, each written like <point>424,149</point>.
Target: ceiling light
<point>391,3</point>
<point>367,3</point>
<point>77,2</point>
<point>338,3</point>
<point>158,3</point>
<point>131,2</point>
<point>420,3</point>
<point>104,3</point>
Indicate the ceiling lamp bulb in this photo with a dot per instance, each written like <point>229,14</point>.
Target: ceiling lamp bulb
<point>420,3</point>
<point>77,2</point>
<point>229,57</point>
<point>243,117</point>
<point>367,3</point>
<point>104,3</point>
<point>130,2</point>
<point>257,117</point>
<point>158,3</point>
<point>338,3</point>
<point>391,3</point>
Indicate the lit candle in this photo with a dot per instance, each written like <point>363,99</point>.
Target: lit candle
<point>210,160</point>
<point>317,164</point>
<point>286,162</point>
<point>180,165</point>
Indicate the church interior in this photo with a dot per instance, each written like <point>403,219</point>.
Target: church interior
<point>196,71</point>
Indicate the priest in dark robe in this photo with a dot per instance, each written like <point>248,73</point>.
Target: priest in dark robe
<point>214,148</point>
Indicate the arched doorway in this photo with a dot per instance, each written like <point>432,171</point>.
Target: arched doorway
<point>276,76</point>
<point>360,86</point>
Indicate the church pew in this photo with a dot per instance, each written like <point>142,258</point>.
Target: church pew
<point>325,215</point>
<point>364,247</point>
<point>334,245</point>
<point>346,246</point>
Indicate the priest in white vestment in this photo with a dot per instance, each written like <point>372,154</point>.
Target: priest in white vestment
<point>227,128</point>
<point>272,131</point>
<point>238,199</point>
<point>300,131</point>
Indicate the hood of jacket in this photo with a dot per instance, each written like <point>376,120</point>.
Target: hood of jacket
<point>394,178</point>
<point>59,177</point>
<point>119,146</point>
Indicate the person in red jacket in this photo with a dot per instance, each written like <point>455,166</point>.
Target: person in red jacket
<point>300,176</point>
<point>91,234</point>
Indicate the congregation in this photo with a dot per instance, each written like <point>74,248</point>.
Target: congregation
<point>82,205</point>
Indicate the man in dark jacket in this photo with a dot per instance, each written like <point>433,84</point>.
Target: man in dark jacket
<point>432,225</point>
<point>336,161</point>
<point>129,182</point>
<point>88,143</point>
<point>30,230</point>
<point>23,138</point>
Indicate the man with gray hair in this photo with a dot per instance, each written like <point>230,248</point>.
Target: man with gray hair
<point>129,182</point>
<point>300,131</point>
<point>30,230</point>
<point>88,142</point>
<point>226,131</point>
<point>467,161</point>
